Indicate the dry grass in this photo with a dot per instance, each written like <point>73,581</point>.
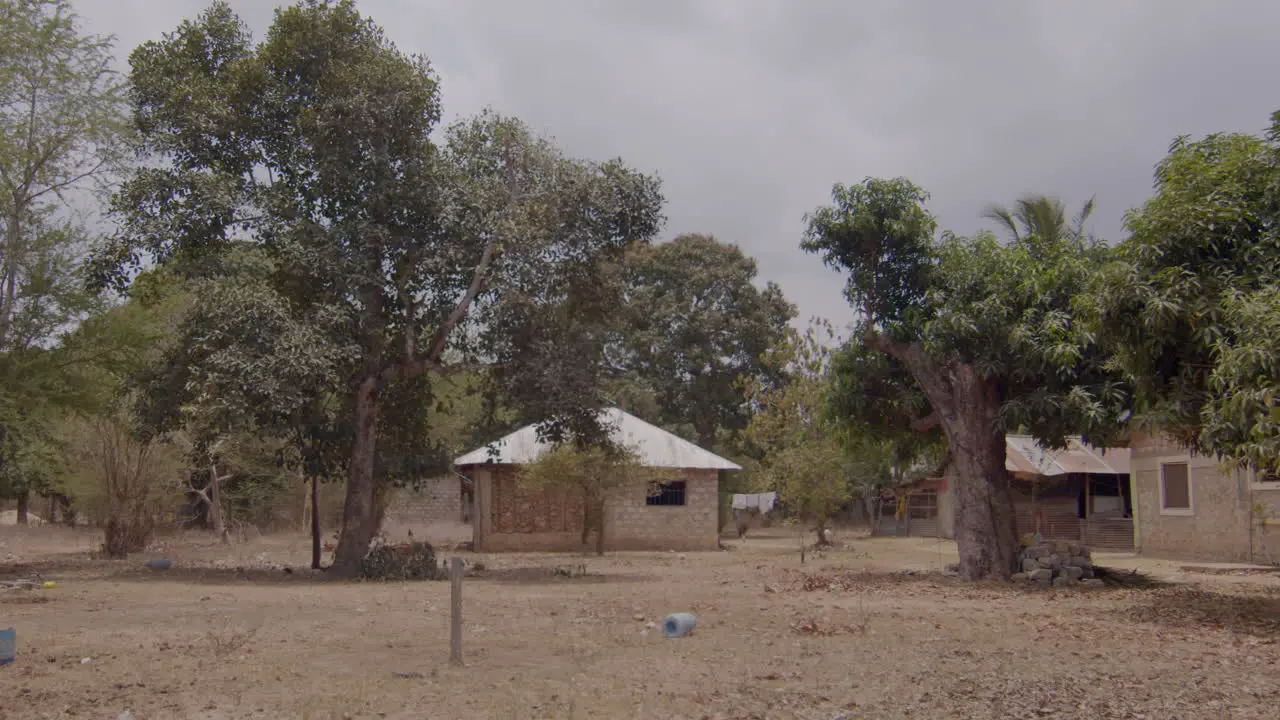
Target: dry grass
<point>867,630</point>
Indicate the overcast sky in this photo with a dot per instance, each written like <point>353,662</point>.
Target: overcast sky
<point>750,110</point>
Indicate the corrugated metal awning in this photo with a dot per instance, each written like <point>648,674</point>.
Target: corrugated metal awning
<point>1024,455</point>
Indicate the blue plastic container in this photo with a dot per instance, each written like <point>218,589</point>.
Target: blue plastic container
<point>678,624</point>
<point>8,646</point>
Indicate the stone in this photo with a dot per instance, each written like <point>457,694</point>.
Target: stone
<point>1041,577</point>
<point>1080,561</point>
<point>1072,572</point>
<point>1030,565</point>
<point>1037,551</point>
<point>1053,562</point>
<point>1061,546</point>
<point>1063,581</point>
<point>1019,577</point>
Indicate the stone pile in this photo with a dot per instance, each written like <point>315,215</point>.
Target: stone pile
<point>1055,562</point>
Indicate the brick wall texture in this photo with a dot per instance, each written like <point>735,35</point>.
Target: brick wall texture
<point>513,518</point>
<point>1220,526</point>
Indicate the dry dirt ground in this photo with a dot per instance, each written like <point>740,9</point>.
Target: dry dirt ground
<point>871,629</point>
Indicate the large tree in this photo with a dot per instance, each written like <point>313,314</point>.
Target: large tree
<point>61,121</point>
<point>1191,308</point>
<point>692,324</point>
<point>966,335</point>
<point>391,255</point>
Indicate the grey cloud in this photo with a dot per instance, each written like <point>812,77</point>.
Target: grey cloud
<point>751,110</point>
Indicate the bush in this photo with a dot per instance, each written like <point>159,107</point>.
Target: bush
<point>414,561</point>
<point>127,535</point>
<point>128,484</point>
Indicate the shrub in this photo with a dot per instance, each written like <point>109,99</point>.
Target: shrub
<point>413,561</point>
<point>129,485</point>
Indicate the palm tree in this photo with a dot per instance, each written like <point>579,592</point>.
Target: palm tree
<point>1042,217</point>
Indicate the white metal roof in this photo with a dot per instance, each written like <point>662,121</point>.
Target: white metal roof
<point>657,447</point>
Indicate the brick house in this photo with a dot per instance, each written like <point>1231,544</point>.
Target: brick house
<point>682,515</point>
<point>1189,506</point>
<point>1078,493</point>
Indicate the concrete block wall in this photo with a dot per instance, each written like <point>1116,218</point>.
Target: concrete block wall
<point>631,524</point>
<point>1218,526</point>
<point>436,499</point>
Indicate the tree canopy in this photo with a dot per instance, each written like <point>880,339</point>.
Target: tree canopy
<point>1189,307</point>
<point>805,458</point>
<point>692,324</point>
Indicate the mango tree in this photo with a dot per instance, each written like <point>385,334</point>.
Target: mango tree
<point>969,336</point>
<point>389,255</point>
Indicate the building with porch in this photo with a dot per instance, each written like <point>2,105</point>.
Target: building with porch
<point>1080,493</point>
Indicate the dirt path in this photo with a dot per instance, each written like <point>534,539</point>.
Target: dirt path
<point>206,641</point>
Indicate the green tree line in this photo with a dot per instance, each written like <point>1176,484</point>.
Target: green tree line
<point>292,274</point>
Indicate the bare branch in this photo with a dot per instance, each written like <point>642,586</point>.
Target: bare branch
<point>412,366</point>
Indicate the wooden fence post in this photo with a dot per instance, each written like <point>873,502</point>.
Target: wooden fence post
<point>455,611</point>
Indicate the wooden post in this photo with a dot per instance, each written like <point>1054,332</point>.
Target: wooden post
<point>455,611</point>
<point>313,504</point>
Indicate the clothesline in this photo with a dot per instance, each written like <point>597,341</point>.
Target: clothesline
<point>763,502</point>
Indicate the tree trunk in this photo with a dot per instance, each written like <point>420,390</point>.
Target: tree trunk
<point>215,505</point>
<point>360,512</point>
<point>967,404</point>
<point>24,507</point>
<point>315,523</point>
<point>68,510</point>
<point>800,526</point>
<point>600,527</point>
<point>986,531</point>
<point>706,429</point>
<point>12,260</point>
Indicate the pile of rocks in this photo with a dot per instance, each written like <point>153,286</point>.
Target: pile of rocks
<point>1055,562</point>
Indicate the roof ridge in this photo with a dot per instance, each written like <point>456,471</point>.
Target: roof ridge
<point>628,428</point>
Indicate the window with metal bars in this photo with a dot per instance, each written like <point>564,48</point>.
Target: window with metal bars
<point>665,494</point>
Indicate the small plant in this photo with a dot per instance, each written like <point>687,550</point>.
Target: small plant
<point>593,472</point>
<point>227,640</point>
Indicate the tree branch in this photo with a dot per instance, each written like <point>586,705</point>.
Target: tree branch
<point>932,376</point>
<point>927,423</point>
<point>413,366</point>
